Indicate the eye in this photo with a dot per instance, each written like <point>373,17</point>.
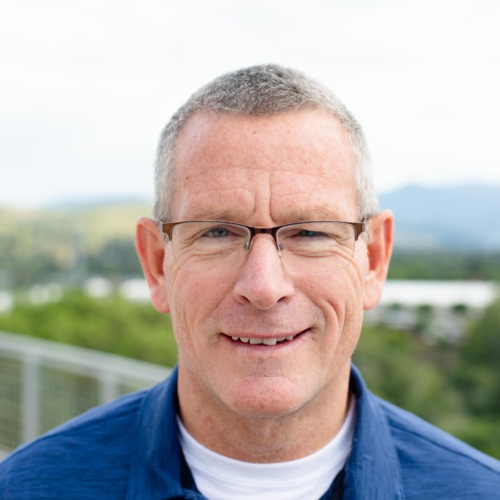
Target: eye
<point>221,232</point>
<point>308,233</point>
<point>216,232</point>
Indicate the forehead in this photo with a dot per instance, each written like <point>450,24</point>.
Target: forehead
<point>286,167</point>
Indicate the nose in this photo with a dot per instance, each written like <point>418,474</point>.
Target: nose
<point>263,280</point>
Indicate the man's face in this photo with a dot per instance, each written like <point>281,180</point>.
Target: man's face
<point>265,171</point>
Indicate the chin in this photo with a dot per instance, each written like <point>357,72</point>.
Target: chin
<point>266,397</point>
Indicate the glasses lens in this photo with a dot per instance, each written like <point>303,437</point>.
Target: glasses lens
<point>316,247</point>
<point>308,247</point>
<point>209,247</point>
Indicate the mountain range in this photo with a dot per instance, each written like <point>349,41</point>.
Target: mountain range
<point>463,218</point>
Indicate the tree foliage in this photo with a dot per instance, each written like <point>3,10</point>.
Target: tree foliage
<point>443,265</point>
<point>109,324</point>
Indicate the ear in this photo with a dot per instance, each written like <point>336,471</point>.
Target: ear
<point>151,251</point>
<point>380,241</point>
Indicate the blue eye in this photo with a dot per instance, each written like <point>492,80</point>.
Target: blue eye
<point>216,232</point>
<point>309,234</point>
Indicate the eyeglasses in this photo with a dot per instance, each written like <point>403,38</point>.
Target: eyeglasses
<point>219,246</point>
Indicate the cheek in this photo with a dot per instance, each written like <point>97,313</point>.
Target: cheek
<point>341,290</point>
<point>194,298</point>
<point>339,296</point>
<point>353,307</point>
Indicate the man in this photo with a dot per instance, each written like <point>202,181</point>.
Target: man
<point>268,246</point>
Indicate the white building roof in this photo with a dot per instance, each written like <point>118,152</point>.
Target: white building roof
<point>440,293</point>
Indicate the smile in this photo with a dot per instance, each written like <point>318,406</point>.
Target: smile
<point>266,341</point>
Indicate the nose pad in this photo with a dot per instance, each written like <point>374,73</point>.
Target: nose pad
<point>279,247</point>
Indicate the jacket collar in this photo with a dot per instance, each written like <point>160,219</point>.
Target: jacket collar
<point>157,466</point>
<point>373,469</point>
<point>158,469</point>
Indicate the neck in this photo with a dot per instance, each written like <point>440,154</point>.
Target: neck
<point>264,438</point>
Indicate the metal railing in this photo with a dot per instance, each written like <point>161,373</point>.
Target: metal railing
<point>44,383</point>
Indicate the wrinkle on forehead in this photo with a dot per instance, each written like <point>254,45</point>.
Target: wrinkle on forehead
<point>223,190</point>
<point>242,170</point>
<point>258,197</point>
<point>212,209</point>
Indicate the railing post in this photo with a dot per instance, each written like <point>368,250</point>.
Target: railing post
<point>30,396</point>
<point>108,385</point>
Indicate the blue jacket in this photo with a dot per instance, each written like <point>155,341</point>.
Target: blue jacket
<point>129,449</point>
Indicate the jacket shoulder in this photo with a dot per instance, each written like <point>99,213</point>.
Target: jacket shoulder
<point>92,450</point>
<point>435,464</point>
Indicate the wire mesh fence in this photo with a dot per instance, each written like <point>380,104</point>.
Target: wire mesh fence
<point>43,384</point>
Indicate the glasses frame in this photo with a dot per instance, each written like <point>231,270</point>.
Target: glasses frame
<point>167,228</point>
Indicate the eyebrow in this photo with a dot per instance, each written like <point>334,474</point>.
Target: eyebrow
<point>222,215</point>
<point>318,214</point>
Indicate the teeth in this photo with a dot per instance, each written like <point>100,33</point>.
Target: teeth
<point>270,341</point>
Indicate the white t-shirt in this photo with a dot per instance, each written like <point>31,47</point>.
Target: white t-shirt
<point>221,478</point>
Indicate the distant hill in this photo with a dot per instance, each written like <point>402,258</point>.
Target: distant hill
<point>465,218</point>
<point>67,243</point>
<point>97,221</point>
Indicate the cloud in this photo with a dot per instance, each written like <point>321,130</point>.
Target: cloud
<point>87,86</point>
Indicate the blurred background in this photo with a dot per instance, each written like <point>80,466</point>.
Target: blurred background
<point>86,88</point>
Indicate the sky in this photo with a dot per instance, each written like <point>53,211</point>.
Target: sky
<point>87,85</point>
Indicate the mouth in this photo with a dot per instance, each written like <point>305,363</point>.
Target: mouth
<point>270,341</point>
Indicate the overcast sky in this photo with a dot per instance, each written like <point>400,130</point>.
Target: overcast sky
<point>87,85</point>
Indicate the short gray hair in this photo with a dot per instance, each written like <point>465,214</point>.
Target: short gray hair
<point>264,90</point>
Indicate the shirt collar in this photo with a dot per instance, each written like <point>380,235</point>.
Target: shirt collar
<point>158,469</point>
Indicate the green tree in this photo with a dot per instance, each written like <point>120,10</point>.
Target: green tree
<point>110,324</point>
<point>477,373</point>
